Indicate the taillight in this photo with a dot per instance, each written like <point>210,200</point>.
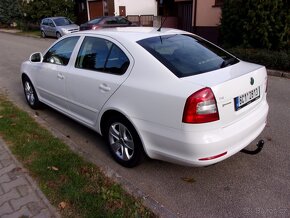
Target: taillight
<point>96,27</point>
<point>266,84</point>
<point>200,107</point>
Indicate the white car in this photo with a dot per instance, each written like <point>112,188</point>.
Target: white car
<point>167,94</point>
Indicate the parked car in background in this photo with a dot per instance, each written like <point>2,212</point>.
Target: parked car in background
<point>162,92</point>
<point>57,27</point>
<point>106,22</point>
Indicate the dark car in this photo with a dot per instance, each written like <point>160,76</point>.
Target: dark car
<point>105,22</point>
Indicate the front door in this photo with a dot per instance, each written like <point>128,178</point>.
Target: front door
<point>96,9</point>
<point>122,11</point>
<point>51,76</point>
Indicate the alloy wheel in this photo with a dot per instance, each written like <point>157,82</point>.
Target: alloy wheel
<point>121,141</point>
<point>29,93</point>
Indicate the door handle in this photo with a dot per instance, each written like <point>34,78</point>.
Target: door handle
<point>60,76</point>
<point>104,87</point>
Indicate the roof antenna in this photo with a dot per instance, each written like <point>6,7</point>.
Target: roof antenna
<point>162,22</point>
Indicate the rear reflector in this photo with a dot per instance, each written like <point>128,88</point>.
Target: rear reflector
<point>213,157</point>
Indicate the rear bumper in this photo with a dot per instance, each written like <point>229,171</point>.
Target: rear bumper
<point>188,147</point>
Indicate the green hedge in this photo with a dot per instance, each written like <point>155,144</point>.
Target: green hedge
<point>256,23</point>
<point>277,60</point>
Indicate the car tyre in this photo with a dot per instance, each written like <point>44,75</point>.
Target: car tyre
<point>30,94</point>
<point>43,34</point>
<point>58,35</point>
<point>123,141</point>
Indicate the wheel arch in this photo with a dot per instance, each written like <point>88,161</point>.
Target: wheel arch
<point>112,112</point>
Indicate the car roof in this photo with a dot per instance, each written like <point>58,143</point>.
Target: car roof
<point>133,33</point>
<point>54,18</point>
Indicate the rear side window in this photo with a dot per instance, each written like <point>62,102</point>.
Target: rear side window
<point>61,52</point>
<point>187,55</point>
<point>102,55</point>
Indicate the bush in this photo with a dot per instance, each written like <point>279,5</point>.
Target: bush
<point>36,10</point>
<point>256,23</point>
<point>9,12</point>
<point>278,60</point>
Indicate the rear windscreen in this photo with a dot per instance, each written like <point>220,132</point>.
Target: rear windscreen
<point>187,55</point>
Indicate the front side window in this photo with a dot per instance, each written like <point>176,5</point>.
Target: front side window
<point>102,55</point>
<point>187,55</point>
<point>45,22</point>
<point>50,23</point>
<point>61,52</point>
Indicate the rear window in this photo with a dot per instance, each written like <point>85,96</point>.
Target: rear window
<point>187,55</point>
<point>95,21</point>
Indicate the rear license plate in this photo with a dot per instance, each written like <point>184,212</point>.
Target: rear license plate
<point>247,98</point>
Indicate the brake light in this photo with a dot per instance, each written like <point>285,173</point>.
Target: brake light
<point>96,27</point>
<point>266,84</point>
<point>200,107</point>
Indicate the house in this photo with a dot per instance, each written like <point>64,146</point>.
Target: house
<point>198,16</point>
<point>90,9</point>
<point>135,7</point>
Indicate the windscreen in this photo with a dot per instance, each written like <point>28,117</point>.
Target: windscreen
<point>62,22</point>
<point>187,55</point>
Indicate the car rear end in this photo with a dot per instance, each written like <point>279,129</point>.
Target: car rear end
<point>225,111</point>
<point>222,119</point>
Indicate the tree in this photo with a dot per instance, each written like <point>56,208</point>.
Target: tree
<point>9,11</point>
<point>256,23</point>
<point>35,10</point>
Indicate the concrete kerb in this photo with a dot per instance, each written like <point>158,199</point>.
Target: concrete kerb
<point>278,73</point>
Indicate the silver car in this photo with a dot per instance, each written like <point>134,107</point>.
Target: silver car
<point>57,27</point>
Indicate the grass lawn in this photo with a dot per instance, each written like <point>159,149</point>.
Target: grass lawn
<point>70,183</point>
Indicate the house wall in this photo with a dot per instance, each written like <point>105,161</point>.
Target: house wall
<point>137,7</point>
<point>207,14</point>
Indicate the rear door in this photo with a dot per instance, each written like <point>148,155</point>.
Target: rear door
<point>101,67</point>
<point>51,28</point>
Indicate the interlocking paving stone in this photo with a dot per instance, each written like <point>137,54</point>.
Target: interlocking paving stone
<point>14,183</point>
<point>13,194</point>
<point>4,178</point>
<point>6,162</point>
<point>24,190</point>
<point>19,202</point>
<point>23,212</point>
<point>19,196</point>
<point>7,169</point>
<point>5,209</point>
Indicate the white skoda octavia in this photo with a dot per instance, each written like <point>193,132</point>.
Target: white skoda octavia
<point>167,94</point>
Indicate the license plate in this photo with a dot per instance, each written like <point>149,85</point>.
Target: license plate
<point>247,98</point>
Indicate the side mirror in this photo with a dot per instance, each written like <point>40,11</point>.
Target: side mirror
<point>36,57</point>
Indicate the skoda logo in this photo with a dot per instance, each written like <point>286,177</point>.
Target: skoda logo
<point>252,81</point>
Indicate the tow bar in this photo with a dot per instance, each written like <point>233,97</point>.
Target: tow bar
<point>259,148</point>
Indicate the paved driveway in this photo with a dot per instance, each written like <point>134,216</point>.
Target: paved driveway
<point>242,186</point>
